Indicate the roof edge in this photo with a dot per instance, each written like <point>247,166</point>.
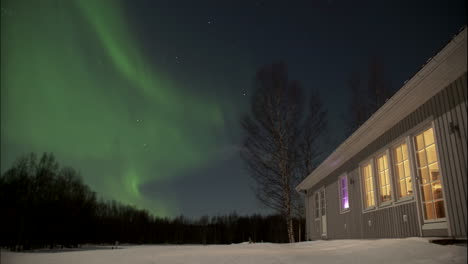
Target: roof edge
<point>371,130</point>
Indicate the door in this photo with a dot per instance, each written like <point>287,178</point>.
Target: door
<point>429,177</point>
<point>323,212</point>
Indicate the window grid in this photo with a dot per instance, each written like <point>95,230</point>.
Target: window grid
<point>322,202</point>
<point>402,170</point>
<point>368,186</point>
<point>429,175</point>
<point>384,178</point>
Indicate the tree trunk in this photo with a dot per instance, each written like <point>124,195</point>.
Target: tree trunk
<point>289,224</point>
<point>299,230</point>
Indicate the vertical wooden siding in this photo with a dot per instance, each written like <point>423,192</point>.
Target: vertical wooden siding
<point>448,106</point>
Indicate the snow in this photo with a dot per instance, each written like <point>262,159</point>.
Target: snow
<point>409,250</point>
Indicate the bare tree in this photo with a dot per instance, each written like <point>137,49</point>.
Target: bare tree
<point>379,88</point>
<point>366,100</point>
<point>358,104</point>
<point>274,140</point>
<point>309,152</point>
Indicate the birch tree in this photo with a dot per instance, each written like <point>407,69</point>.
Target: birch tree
<point>274,138</point>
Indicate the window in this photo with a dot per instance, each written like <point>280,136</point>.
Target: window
<point>317,205</point>
<point>322,202</point>
<point>368,185</point>
<point>402,170</point>
<point>344,197</point>
<point>429,175</point>
<point>385,194</point>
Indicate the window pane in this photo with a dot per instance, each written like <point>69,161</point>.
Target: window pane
<point>385,194</point>
<point>431,154</point>
<point>397,154</point>
<point>429,211</point>
<point>434,171</point>
<point>426,192</point>
<point>407,168</point>
<point>419,142</point>
<point>424,175</point>
<point>402,188</point>
<point>345,203</point>
<point>382,178</point>
<point>429,137</point>
<point>404,150</point>
<point>409,186</point>
<point>421,157</point>
<point>437,190</point>
<point>439,209</point>
<point>385,162</point>
<point>400,173</point>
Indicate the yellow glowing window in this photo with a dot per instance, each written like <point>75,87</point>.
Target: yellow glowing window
<point>383,173</point>
<point>368,184</point>
<point>402,170</point>
<point>429,176</point>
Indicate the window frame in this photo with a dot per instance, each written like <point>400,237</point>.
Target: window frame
<point>385,152</point>
<point>409,147</point>
<point>340,188</point>
<point>420,202</point>
<point>369,161</point>
<point>317,208</point>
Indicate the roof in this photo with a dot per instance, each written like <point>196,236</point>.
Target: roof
<point>439,71</point>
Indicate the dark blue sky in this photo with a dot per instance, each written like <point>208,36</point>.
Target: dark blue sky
<point>221,44</point>
<point>178,156</point>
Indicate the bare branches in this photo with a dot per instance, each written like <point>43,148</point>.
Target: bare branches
<point>280,143</point>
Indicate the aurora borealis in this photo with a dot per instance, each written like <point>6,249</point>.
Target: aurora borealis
<point>69,70</point>
<point>144,98</point>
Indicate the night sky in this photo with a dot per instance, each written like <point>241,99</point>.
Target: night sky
<point>144,98</point>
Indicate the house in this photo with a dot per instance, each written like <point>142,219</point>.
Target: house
<point>403,173</point>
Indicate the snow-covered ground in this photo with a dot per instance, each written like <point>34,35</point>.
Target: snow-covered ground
<point>410,250</point>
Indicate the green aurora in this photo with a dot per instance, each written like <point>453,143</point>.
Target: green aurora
<point>75,82</point>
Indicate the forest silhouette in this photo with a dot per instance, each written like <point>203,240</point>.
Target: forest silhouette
<point>46,205</point>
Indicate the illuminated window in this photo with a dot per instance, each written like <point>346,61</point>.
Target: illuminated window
<point>383,173</point>
<point>429,175</point>
<point>344,196</point>
<point>402,170</point>
<point>368,185</point>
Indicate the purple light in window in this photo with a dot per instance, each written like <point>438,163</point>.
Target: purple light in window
<point>345,203</point>
<point>344,191</point>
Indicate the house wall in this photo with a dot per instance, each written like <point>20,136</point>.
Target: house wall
<point>448,106</point>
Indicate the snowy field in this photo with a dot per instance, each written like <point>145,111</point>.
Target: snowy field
<point>410,250</point>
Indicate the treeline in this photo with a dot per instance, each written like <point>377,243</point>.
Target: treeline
<point>45,205</point>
